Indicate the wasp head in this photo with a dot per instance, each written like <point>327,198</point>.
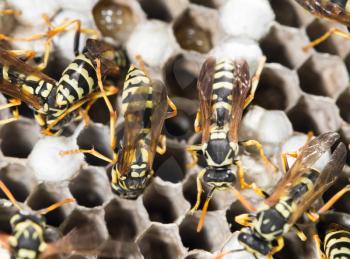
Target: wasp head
<point>27,240</point>
<point>253,243</point>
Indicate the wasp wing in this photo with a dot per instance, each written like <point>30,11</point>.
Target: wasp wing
<point>159,113</point>
<point>13,89</point>
<point>241,86</point>
<point>136,120</point>
<point>308,155</point>
<point>326,178</point>
<point>105,52</point>
<point>205,88</point>
<point>86,242</point>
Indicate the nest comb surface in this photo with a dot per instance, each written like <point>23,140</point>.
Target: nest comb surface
<point>298,91</point>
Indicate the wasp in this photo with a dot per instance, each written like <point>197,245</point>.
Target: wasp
<point>335,239</point>
<point>55,103</point>
<point>145,107</point>
<point>27,240</point>
<point>336,10</point>
<point>225,90</point>
<point>292,197</point>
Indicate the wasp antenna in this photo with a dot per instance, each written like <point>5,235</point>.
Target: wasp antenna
<point>56,205</point>
<point>204,210</point>
<point>247,204</point>
<point>9,195</point>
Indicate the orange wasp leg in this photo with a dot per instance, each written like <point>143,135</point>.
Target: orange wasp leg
<point>259,147</point>
<point>325,36</point>
<point>15,113</point>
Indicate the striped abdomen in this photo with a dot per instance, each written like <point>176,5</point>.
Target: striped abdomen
<point>336,244</point>
<point>31,84</point>
<point>137,95</point>
<point>222,92</point>
<point>78,80</point>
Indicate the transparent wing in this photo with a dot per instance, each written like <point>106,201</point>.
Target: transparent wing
<point>241,82</point>
<point>136,119</point>
<point>85,242</point>
<point>13,89</point>
<point>308,155</point>
<point>326,178</point>
<point>159,113</point>
<point>205,88</point>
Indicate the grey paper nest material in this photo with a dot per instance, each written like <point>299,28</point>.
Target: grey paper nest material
<point>298,90</point>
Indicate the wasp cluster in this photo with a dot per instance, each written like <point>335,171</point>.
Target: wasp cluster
<point>298,91</point>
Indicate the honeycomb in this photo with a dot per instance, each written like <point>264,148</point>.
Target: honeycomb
<point>298,92</point>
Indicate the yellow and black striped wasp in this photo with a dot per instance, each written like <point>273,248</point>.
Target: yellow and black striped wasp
<point>55,103</point>
<point>334,237</point>
<point>336,10</point>
<point>225,89</point>
<point>28,239</point>
<point>145,107</point>
<point>292,197</point>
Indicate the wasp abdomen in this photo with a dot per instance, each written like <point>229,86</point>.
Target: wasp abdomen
<point>222,91</point>
<point>337,244</point>
<point>78,80</point>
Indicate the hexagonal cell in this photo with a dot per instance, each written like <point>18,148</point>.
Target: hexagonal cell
<point>180,75</point>
<point>344,105</point>
<point>315,113</point>
<point>91,187</point>
<point>171,166</point>
<point>163,10</point>
<point>215,225</point>
<point>207,3</point>
<point>117,18</point>
<point>278,88</point>
<point>333,45</point>
<point>168,246</point>
<point>125,219</point>
<point>323,74</point>
<point>19,137</point>
<point>289,13</point>
<point>194,33</point>
<point>284,45</point>
<point>46,194</point>
<point>18,179</point>
<point>97,136</point>
<point>82,219</point>
<point>164,202</point>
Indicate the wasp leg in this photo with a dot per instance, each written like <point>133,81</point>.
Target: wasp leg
<point>173,108</point>
<point>277,248</point>
<point>193,149</point>
<point>325,36</point>
<point>9,12</point>
<point>161,148</point>
<point>142,64</point>
<point>317,241</point>
<point>92,152</point>
<point>15,113</point>
<point>244,184</point>
<point>199,190</point>
<point>197,122</point>
<point>315,216</point>
<point>284,160</point>
<point>254,82</point>
<point>245,219</point>
<point>108,91</point>
<point>112,112</point>
<point>24,55</point>
<point>300,233</point>
<point>259,147</point>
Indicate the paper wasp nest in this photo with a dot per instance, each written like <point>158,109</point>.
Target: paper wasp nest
<point>298,91</point>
